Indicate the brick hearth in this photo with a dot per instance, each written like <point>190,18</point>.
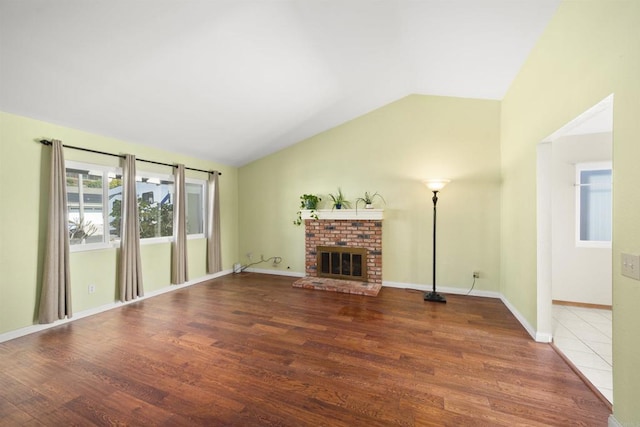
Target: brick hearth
<point>342,286</point>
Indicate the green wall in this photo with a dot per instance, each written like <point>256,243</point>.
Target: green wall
<point>589,50</point>
<point>24,173</point>
<point>390,150</point>
<point>487,214</point>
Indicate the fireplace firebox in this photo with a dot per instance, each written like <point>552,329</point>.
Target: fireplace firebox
<point>339,262</point>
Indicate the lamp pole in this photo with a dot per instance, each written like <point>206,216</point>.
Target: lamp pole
<point>435,185</point>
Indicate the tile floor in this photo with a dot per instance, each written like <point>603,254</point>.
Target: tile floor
<point>584,336</point>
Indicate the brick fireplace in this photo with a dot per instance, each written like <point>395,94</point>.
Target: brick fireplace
<point>345,229</point>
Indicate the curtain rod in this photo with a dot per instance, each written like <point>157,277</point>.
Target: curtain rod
<point>45,142</point>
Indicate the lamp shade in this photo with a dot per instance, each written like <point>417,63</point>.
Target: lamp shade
<point>436,184</point>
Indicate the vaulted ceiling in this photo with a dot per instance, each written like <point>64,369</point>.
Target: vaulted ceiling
<point>232,81</point>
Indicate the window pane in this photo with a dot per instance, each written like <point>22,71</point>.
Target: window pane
<point>115,205</point>
<point>155,207</point>
<point>595,205</point>
<point>85,210</point>
<point>195,205</point>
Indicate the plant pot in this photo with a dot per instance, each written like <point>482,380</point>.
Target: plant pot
<point>368,206</point>
<point>338,205</point>
<point>310,205</point>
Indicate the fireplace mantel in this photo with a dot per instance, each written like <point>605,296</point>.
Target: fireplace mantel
<point>346,214</point>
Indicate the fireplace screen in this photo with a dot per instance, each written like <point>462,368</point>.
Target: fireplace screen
<point>342,262</point>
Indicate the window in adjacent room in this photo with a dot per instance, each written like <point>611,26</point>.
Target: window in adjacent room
<point>594,204</point>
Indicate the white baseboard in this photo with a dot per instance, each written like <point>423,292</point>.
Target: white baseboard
<point>537,336</point>
<point>612,422</point>
<point>443,289</point>
<point>116,304</point>
<point>275,272</point>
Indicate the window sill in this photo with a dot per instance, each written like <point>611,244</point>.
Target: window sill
<point>92,247</point>
<point>116,244</point>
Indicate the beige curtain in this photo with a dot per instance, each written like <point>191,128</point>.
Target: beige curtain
<point>179,253</point>
<point>55,296</point>
<point>130,266</point>
<point>214,257</point>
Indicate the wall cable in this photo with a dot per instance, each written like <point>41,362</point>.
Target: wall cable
<point>276,260</point>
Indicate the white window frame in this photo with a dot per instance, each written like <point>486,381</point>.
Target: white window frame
<point>106,242</point>
<point>163,177</point>
<point>581,167</point>
<point>203,183</point>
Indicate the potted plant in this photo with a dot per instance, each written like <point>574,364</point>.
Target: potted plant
<point>307,202</point>
<point>368,199</point>
<point>339,201</point>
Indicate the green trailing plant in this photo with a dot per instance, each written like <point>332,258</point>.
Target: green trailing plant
<point>339,201</point>
<point>368,199</point>
<point>307,202</point>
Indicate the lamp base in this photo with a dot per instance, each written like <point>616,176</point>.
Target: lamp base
<point>434,297</point>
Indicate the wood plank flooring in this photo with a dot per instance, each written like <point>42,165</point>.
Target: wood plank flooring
<point>250,350</point>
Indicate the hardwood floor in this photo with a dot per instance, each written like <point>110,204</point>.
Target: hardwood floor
<point>248,349</point>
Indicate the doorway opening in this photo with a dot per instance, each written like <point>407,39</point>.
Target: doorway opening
<point>574,275</point>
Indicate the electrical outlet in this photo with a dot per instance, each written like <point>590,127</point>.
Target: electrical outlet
<point>249,255</point>
<point>476,274</point>
<point>92,288</point>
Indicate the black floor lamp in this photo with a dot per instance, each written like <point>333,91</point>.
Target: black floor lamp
<point>435,185</point>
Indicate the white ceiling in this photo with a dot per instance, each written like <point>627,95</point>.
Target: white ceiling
<point>232,81</point>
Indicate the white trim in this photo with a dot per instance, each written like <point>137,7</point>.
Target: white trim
<point>605,104</point>
<point>84,247</point>
<point>345,214</point>
<point>275,272</point>
<point>443,289</point>
<point>538,336</point>
<point>155,240</point>
<point>90,167</point>
<point>612,422</point>
<point>116,304</point>
<point>544,240</point>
